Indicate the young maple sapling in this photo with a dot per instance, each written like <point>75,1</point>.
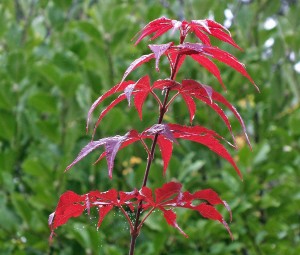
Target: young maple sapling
<point>143,201</point>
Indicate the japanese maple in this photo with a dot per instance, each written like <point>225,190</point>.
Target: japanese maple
<point>144,201</point>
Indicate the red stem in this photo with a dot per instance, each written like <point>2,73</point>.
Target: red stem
<point>135,232</point>
<point>127,217</point>
<point>136,229</point>
<point>144,219</point>
<point>172,99</point>
<point>157,99</point>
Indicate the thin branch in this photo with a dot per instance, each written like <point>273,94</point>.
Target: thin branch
<point>172,99</point>
<point>136,229</point>
<point>144,219</point>
<point>157,99</point>
<point>127,217</point>
<point>146,147</point>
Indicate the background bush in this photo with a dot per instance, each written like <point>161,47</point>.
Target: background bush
<point>56,57</point>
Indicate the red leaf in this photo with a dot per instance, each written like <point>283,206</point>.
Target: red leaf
<point>166,149</point>
<point>206,137</point>
<point>145,195</point>
<point>161,31</point>
<point>167,83</point>
<point>191,89</point>
<point>70,205</point>
<point>168,132</point>
<point>167,197</point>
<point>112,145</point>
<point>62,215</point>
<point>119,87</point>
<point>175,59</point>
<point>229,60</point>
<point>199,33</point>
<point>170,196</point>
<point>103,211</point>
<point>210,66</point>
<point>119,99</point>
<point>110,196</point>
<point>208,195</point>
<point>124,144</point>
<point>191,106</point>
<point>142,86</point>
<point>162,129</point>
<point>167,191</point>
<point>126,196</point>
<point>165,141</point>
<point>142,91</point>
<point>136,63</point>
<point>105,203</point>
<point>194,86</point>
<point>159,50</point>
<point>214,52</point>
<point>181,131</point>
<point>220,112</point>
<point>170,217</point>
<point>208,211</point>
<point>199,27</point>
<point>158,25</point>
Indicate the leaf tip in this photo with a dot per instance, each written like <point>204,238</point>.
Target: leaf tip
<point>67,168</point>
<point>228,229</point>
<point>257,88</point>
<point>228,209</point>
<point>50,240</point>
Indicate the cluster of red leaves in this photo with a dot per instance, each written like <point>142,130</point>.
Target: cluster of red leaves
<point>199,52</point>
<point>201,28</point>
<point>170,195</point>
<point>167,133</point>
<point>167,197</point>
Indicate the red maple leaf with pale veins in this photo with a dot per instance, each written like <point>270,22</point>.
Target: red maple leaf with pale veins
<point>167,198</point>
<point>166,136</point>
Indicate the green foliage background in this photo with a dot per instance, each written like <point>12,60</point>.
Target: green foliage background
<point>57,57</point>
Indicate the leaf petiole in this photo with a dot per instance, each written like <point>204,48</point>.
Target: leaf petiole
<point>144,219</point>
<point>127,218</point>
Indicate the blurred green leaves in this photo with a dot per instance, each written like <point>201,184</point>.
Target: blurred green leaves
<point>57,57</point>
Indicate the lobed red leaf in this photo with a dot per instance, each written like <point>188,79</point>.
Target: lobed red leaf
<point>70,205</point>
<point>201,28</point>
<point>112,145</point>
<point>213,52</point>
<point>210,66</point>
<point>170,218</point>
<point>190,89</point>
<point>160,24</point>
<point>166,149</point>
<point>167,197</point>
<point>119,87</point>
<point>159,50</point>
<point>167,191</point>
<point>170,196</point>
<point>206,137</point>
<point>136,63</point>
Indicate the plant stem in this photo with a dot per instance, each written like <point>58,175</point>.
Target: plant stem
<point>135,232</point>
<point>136,229</point>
